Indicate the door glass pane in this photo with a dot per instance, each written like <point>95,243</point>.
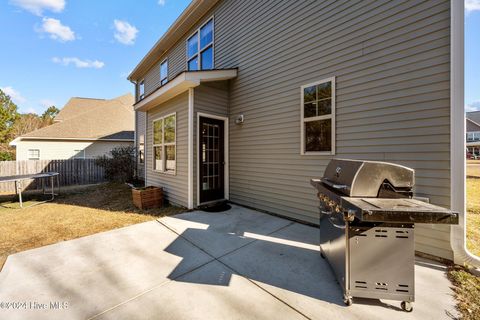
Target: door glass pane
<point>192,45</point>
<point>206,34</point>
<point>193,64</point>
<point>169,129</point>
<point>157,158</point>
<point>318,135</point>
<point>170,158</point>
<point>157,131</point>
<point>207,59</point>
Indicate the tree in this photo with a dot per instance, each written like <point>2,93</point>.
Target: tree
<point>8,116</point>
<point>50,114</point>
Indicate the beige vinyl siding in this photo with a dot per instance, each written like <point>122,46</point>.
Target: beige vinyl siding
<point>63,149</point>
<point>210,98</point>
<point>391,60</point>
<point>140,128</point>
<point>174,185</point>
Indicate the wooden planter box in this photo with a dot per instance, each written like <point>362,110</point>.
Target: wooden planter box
<point>148,197</point>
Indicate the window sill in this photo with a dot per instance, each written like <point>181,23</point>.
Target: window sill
<point>167,173</point>
<point>318,153</point>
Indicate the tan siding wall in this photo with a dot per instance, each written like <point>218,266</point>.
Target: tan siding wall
<point>391,63</point>
<point>58,150</point>
<point>175,186</point>
<point>210,98</point>
<point>140,130</point>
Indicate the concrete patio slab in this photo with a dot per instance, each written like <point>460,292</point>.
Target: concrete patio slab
<point>287,264</point>
<point>95,272</point>
<point>210,292</point>
<point>238,264</point>
<point>222,232</point>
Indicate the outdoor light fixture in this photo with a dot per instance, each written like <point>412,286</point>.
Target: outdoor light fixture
<point>239,119</point>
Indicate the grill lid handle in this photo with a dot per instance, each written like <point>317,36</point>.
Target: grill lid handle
<point>334,185</point>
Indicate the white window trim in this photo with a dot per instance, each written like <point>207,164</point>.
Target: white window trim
<point>330,116</point>
<point>199,50</point>
<point>141,96</point>
<point>30,158</point>
<point>160,71</point>
<point>163,145</point>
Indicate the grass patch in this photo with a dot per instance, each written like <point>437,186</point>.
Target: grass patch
<point>75,213</point>
<point>467,292</point>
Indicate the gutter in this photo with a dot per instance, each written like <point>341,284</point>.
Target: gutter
<point>461,255</point>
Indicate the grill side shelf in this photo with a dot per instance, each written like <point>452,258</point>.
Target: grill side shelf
<point>398,210</point>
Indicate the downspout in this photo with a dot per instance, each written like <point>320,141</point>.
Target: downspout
<point>457,136</point>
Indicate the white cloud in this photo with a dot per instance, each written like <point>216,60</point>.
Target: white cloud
<point>38,6</point>
<point>79,63</point>
<point>125,32</point>
<point>474,106</point>
<point>161,2</point>
<point>16,97</point>
<point>472,5</point>
<point>57,30</point>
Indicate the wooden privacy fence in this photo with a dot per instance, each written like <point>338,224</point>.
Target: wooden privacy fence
<point>71,171</point>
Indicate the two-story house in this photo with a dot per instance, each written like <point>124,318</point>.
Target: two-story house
<point>473,132</point>
<point>249,100</point>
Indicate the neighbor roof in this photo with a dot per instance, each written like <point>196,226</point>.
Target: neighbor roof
<point>474,116</point>
<point>91,119</point>
<point>195,10</point>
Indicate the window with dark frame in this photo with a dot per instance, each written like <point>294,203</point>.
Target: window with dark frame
<point>200,48</point>
<point>318,108</point>
<point>141,149</point>
<point>164,144</point>
<point>164,72</point>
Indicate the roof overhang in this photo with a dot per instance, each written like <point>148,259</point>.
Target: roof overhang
<point>15,141</point>
<point>181,83</point>
<point>473,144</point>
<point>187,19</point>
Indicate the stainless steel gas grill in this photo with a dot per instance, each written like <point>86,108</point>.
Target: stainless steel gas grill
<point>367,217</point>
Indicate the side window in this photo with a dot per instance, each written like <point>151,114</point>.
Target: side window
<point>79,154</point>
<point>33,154</point>
<point>141,149</point>
<point>164,72</point>
<point>200,48</point>
<point>318,117</point>
<point>164,144</point>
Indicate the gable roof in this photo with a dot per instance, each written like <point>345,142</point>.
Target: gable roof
<point>194,12</point>
<point>91,119</point>
<point>474,116</point>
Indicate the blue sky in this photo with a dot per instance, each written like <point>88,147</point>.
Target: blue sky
<point>52,50</point>
<point>56,49</point>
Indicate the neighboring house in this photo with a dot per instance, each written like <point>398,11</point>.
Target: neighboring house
<point>84,128</point>
<point>249,100</point>
<point>473,132</point>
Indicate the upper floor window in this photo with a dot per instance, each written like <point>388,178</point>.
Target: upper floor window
<point>473,136</point>
<point>141,90</point>
<point>164,72</point>
<point>200,48</point>
<point>318,117</point>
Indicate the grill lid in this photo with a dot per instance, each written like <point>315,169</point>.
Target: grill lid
<point>358,178</point>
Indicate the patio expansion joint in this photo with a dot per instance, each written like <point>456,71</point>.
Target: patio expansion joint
<point>233,269</point>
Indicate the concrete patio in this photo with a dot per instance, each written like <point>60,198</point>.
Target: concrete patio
<point>239,264</point>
